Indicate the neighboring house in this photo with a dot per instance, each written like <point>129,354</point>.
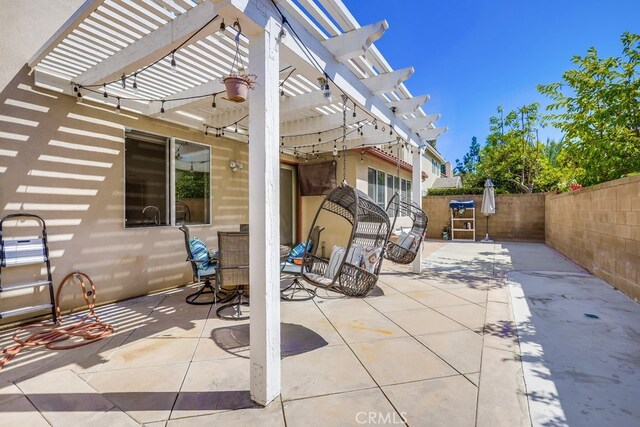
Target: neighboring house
<point>452,182</point>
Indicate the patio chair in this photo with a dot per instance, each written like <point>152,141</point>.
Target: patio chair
<point>289,266</point>
<point>233,273</point>
<point>204,270</point>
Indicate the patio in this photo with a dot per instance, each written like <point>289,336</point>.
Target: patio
<point>414,351</point>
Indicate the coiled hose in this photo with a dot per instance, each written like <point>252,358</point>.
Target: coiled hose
<point>89,329</point>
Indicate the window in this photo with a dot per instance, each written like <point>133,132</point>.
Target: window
<point>435,167</point>
<point>376,186</point>
<point>381,193</point>
<point>192,183</point>
<point>157,194</point>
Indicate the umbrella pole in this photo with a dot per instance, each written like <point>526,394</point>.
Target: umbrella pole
<point>486,236</point>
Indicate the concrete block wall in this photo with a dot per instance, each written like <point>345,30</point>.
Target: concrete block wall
<point>599,228</point>
<point>518,216</point>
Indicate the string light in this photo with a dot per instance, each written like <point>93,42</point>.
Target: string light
<point>134,86</point>
<point>162,109</point>
<point>123,79</point>
<point>78,97</point>
<point>206,130</point>
<point>327,88</point>
<point>118,109</point>
<point>375,123</point>
<point>354,108</point>
<point>335,150</point>
<point>105,95</point>
<point>213,104</point>
<point>319,137</point>
<point>174,65</point>
<point>222,25</point>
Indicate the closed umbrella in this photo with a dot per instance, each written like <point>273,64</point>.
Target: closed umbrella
<point>488,205</point>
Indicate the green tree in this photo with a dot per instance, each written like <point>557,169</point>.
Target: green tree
<point>470,159</point>
<point>597,105</point>
<point>513,157</point>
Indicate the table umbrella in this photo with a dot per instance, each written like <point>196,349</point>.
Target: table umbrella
<point>488,205</point>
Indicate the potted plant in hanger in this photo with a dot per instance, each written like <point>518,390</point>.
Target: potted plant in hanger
<point>238,82</point>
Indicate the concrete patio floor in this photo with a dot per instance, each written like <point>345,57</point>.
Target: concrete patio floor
<point>435,349</point>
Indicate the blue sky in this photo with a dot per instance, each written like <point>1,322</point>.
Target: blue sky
<point>473,55</point>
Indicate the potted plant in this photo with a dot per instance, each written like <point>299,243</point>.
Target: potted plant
<point>238,84</point>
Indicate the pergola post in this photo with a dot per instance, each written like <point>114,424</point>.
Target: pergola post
<point>416,196</point>
<point>264,205</point>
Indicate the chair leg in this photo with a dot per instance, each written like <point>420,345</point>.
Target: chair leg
<point>207,288</point>
<point>236,304</point>
<point>289,293</point>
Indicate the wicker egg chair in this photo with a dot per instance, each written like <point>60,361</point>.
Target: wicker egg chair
<point>405,254</point>
<point>370,227</point>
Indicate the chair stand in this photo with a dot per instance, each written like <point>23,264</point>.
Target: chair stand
<point>237,301</point>
<point>289,293</point>
<point>207,288</point>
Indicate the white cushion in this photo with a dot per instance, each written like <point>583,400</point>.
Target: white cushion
<point>370,258</point>
<point>405,240</point>
<point>319,278</point>
<point>337,253</point>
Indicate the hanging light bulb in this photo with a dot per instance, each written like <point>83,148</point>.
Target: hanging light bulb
<point>354,109</point>
<point>222,131</point>
<point>174,65</point>
<point>79,97</point>
<point>391,131</point>
<point>375,122</point>
<point>123,79</point>
<point>134,86</point>
<point>206,130</point>
<point>162,109</point>
<point>335,150</point>
<point>319,137</point>
<point>105,94</point>
<point>362,156</point>
<point>118,109</point>
<point>327,88</point>
<point>236,127</point>
<point>75,89</point>
<point>223,26</point>
<point>213,104</point>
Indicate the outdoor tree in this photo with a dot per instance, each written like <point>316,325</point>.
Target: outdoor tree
<point>597,105</point>
<point>513,157</point>
<point>470,159</point>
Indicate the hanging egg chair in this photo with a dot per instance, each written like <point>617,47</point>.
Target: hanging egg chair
<point>352,270</point>
<point>405,248</point>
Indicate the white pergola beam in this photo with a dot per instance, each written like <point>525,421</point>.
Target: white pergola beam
<point>419,123</point>
<point>152,46</point>
<point>264,218</point>
<point>62,85</point>
<point>431,134</point>
<point>306,101</point>
<point>83,12</point>
<point>356,42</point>
<point>416,196</point>
<point>257,11</point>
<point>388,82</point>
<point>319,124</point>
<point>370,136</point>
<point>205,89</point>
<point>409,105</point>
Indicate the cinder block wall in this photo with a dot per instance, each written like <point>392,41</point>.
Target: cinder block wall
<point>518,216</point>
<point>599,228</point>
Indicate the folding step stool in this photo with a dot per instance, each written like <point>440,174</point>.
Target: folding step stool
<point>16,251</point>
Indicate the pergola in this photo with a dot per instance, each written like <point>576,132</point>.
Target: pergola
<point>289,45</point>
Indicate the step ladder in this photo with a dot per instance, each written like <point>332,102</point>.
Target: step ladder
<point>16,251</point>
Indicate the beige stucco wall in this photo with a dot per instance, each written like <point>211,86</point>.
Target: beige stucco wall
<point>518,217</point>
<point>357,171</point>
<point>83,203</point>
<point>599,228</point>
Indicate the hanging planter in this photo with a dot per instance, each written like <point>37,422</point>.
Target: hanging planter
<point>237,83</point>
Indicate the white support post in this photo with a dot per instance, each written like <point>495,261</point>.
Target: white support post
<point>264,205</point>
<point>416,196</point>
